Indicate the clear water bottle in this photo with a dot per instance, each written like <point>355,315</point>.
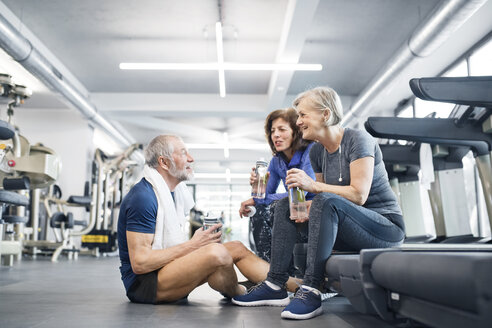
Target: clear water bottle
<point>258,188</point>
<point>297,204</point>
<point>208,222</point>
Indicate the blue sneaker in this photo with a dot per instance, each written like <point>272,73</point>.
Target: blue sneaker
<point>305,305</point>
<point>262,295</point>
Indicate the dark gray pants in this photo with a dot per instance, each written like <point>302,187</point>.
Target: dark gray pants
<point>261,227</point>
<point>334,223</point>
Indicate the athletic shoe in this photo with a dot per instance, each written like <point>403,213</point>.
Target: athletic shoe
<point>305,305</point>
<point>262,295</point>
<point>325,296</point>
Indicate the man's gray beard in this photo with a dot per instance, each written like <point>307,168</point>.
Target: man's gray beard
<point>181,175</point>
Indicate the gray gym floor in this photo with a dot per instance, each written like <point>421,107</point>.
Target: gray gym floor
<point>89,293</point>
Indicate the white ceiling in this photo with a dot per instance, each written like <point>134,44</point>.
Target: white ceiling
<point>352,39</point>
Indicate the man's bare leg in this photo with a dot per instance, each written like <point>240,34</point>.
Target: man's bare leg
<point>252,267</point>
<point>211,263</point>
<point>224,280</point>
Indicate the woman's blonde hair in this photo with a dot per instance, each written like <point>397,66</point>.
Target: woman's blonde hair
<point>324,98</point>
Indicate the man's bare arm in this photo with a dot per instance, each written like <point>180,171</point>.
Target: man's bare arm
<point>144,259</point>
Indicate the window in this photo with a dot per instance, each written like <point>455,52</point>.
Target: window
<point>424,108</point>
<point>460,69</point>
<point>222,199</point>
<point>481,60</point>
<point>407,111</point>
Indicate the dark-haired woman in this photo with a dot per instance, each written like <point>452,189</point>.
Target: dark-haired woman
<point>289,151</point>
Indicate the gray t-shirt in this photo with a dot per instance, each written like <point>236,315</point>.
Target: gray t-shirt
<point>356,144</point>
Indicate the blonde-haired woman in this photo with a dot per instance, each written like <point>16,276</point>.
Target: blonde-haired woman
<point>354,208</point>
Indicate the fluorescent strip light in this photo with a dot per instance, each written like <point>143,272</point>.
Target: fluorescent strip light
<point>220,58</point>
<point>226,67</point>
<point>171,66</point>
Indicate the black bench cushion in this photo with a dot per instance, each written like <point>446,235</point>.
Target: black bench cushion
<point>446,278</point>
<point>80,200</point>
<point>13,198</point>
<point>22,183</point>
<point>6,130</point>
<point>346,265</point>
<point>15,219</point>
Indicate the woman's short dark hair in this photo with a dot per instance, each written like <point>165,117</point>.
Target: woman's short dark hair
<point>289,115</point>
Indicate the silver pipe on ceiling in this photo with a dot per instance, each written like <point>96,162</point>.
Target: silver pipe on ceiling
<point>442,22</point>
<point>21,50</point>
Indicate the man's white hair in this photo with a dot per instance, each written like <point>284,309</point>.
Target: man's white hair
<point>160,146</point>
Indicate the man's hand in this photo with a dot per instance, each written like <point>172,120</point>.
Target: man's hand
<point>205,237</point>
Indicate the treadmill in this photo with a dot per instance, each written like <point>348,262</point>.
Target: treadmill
<point>465,131</point>
<point>402,164</point>
<point>441,285</point>
<point>448,205</point>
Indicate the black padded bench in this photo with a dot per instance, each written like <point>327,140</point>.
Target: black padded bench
<point>8,197</point>
<point>343,274</point>
<point>441,289</point>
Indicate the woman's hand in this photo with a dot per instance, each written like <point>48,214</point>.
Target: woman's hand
<point>244,210</point>
<point>253,178</point>
<point>299,178</point>
<point>301,220</point>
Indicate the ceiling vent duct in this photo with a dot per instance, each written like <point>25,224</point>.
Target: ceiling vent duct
<point>21,50</point>
<point>442,22</point>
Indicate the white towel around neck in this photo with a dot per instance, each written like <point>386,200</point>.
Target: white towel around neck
<point>171,215</point>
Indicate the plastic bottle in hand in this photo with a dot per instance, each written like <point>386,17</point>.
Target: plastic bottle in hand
<point>297,203</point>
<point>258,188</point>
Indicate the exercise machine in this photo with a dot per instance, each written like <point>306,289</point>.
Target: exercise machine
<point>441,285</point>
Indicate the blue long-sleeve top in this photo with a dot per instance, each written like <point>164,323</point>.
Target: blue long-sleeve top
<point>278,171</point>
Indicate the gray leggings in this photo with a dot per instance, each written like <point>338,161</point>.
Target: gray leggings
<point>334,223</point>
